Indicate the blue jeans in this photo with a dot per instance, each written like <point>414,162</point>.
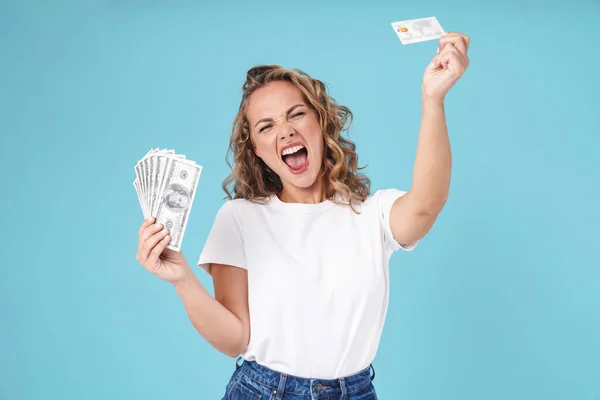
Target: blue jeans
<point>253,381</point>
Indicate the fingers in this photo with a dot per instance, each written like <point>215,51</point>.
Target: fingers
<point>455,63</point>
<point>453,48</point>
<point>145,224</point>
<point>152,247</point>
<point>458,40</point>
<point>150,230</point>
<point>449,58</point>
<point>146,230</point>
<point>157,250</point>
<point>435,63</point>
<point>456,37</point>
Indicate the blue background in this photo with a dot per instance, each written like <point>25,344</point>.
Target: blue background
<point>499,301</point>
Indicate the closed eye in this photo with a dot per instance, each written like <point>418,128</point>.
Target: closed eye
<point>293,116</point>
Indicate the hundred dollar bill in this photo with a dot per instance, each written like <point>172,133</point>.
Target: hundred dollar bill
<point>176,195</point>
<point>137,189</point>
<point>161,173</point>
<point>140,185</point>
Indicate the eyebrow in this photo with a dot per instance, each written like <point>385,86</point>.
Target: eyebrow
<point>292,108</point>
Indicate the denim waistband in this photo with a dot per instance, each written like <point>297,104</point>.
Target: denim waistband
<point>316,388</point>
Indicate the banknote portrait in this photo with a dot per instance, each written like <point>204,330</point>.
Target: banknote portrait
<point>176,198</point>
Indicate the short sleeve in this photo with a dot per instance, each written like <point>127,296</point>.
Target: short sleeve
<point>385,201</point>
<point>224,244</point>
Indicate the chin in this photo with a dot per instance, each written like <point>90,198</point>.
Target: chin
<point>304,180</point>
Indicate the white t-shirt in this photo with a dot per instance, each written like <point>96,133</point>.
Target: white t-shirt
<point>317,279</point>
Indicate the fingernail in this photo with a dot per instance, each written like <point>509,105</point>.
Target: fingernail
<point>438,50</point>
<point>157,225</point>
<point>149,219</point>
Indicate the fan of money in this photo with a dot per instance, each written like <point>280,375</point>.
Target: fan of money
<point>166,184</point>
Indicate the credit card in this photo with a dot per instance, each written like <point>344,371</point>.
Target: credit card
<point>418,30</point>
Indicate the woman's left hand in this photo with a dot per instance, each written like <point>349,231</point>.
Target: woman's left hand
<point>447,66</point>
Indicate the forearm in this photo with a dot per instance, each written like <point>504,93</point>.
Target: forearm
<point>219,326</point>
<point>433,162</point>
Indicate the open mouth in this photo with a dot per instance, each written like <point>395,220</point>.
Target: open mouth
<point>296,158</point>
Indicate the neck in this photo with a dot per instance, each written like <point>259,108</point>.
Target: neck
<point>310,195</point>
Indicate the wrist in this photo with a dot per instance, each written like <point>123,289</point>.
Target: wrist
<point>432,107</point>
<point>429,100</point>
<point>185,280</point>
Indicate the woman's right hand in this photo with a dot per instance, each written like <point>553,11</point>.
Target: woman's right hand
<point>153,254</point>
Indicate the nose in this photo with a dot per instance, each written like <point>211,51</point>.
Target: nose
<point>288,132</point>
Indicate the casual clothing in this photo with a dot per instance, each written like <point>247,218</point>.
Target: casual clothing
<point>317,279</point>
<point>254,381</point>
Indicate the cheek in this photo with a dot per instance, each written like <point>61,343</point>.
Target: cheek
<point>308,127</point>
<point>263,147</point>
<point>316,135</point>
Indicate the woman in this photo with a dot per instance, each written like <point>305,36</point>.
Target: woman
<point>299,256</point>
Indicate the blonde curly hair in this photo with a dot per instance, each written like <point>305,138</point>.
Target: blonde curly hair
<point>253,180</point>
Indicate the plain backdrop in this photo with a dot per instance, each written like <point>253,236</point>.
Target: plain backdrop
<point>500,300</point>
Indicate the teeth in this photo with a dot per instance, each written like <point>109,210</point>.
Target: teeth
<point>292,150</point>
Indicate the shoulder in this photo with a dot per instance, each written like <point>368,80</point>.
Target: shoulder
<point>232,207</point>
<point>237,208</point>
<point>377,202</point>
<point>384,198</point>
